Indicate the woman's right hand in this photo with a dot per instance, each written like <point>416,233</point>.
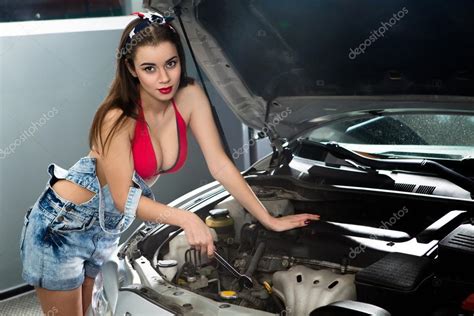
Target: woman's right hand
<point>198,234</point>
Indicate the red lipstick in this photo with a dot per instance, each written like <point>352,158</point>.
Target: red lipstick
<point>166,90</point>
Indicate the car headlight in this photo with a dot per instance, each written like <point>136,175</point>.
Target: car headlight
<point>99,304</point>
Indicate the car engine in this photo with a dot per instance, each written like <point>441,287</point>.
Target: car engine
<point>287,278</point>
<point>398,268</point>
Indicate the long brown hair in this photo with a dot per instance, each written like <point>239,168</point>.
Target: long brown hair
<point>123,92</point>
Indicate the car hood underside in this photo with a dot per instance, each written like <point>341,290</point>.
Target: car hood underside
<point>303,65</point>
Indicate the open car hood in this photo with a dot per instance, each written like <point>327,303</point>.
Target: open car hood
<point>290,66</point>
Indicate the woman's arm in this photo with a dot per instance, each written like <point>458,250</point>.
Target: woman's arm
<point>230,177</point>
<point>223,170</point>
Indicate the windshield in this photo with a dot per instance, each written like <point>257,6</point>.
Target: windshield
<point>411,135</point>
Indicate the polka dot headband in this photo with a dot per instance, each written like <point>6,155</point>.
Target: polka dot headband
<point>148,19</point>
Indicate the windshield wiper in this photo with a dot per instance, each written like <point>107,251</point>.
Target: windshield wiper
<point>401,164</point>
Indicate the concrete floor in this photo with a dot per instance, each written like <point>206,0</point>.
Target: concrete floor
<point>26,304</point>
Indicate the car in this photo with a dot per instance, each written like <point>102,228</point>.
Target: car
<point>369,110</point>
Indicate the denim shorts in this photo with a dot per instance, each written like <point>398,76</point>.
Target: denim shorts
<point>62,242</point>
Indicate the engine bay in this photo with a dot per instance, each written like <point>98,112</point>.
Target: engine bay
<point>287,277</point>
<point>386,261</point>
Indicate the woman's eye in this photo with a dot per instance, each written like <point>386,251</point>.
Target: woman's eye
<point>171,64</point>
<point>148,68</point>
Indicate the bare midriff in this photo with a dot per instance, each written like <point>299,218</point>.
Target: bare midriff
<point>75,193</point>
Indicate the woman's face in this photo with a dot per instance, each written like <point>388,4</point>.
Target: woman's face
<point>158,69</point>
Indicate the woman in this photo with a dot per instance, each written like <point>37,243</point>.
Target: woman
<point>76,222</point>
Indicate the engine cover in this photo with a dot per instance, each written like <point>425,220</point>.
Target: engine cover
<point>303,289</point>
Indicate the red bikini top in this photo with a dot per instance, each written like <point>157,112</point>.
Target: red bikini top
<point>143,153</point>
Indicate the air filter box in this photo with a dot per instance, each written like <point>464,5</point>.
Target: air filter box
<point>456,254</point>
<point>396,278</point>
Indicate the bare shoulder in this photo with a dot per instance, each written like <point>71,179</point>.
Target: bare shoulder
<point>123,132</point>
<point>191,91</point>
<point>112,116</point>
<point>189,98</point>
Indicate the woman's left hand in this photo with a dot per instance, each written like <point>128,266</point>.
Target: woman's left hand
<point>280,224</point>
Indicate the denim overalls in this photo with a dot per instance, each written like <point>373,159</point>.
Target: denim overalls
<point>62,242</point>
